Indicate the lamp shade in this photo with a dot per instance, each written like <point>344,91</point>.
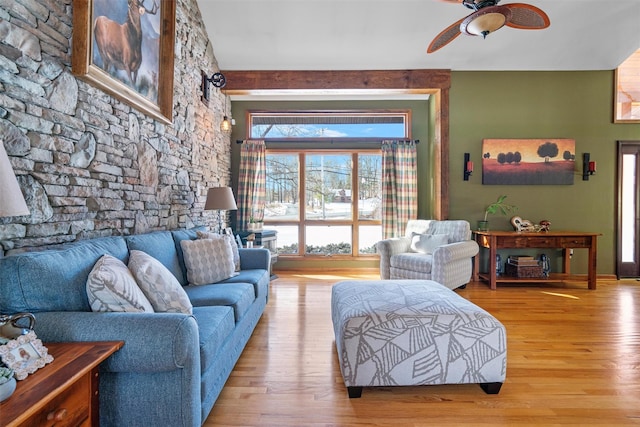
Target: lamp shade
<point>11,199</point>
<point>220,198</point>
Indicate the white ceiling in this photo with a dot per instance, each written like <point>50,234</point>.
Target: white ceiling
<point>394,34</point>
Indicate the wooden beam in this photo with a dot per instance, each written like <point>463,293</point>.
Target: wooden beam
<point>339,80</point>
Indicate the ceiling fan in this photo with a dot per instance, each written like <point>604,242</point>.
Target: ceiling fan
<point>488,17</point>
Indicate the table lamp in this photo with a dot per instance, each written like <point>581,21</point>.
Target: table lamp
<point>11,199</point>
<point>220,199</point>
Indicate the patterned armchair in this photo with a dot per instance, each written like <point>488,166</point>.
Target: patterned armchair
<point>449,264</point>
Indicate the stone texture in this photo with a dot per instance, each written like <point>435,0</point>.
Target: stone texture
<point>36,198</point>
<point>21,39</point>
<point>84,152</point>
<point>15,142</point>
<point>64,94</point>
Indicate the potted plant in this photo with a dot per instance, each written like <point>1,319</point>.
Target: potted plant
<point>495,207</point>
<point>7,383</point>
<point>255,222</point>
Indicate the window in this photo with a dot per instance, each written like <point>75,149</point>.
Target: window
<point>318,125</point>
<point>325,200</point>
<point>341,212</point>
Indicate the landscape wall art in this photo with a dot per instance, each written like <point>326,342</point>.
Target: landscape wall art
<point>528,161</point>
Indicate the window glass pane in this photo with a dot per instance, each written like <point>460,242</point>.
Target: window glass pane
<point>328,125</point>
<point>370,186</point>
<point>368,236</point>
<point>287,239</point>
<point>328,240</point>
<point>328,187</point>
<point>282,187</point>
<point>628,231</point>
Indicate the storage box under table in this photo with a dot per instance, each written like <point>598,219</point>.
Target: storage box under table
<point>524,271</point>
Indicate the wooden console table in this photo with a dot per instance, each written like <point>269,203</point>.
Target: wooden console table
<point>64,392</point>
<point>565,240</point>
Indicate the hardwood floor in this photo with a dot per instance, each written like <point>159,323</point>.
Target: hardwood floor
<point>573,359</point>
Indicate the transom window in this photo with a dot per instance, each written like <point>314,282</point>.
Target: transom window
<point>329,125</point>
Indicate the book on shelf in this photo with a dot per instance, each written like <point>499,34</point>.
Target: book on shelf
<point>522,260</point>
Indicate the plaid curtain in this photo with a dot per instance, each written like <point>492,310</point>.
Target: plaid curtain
<point>251,183</point>
<point>399,186</point>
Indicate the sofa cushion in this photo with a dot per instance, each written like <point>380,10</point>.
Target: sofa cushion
<point>207,260</point>
<point>158,284</point>
<point>457,230</point>
<point>179,236</point>
<point>229,239</point>
<point>215,325</point>
<point>36,282</point>
<point>161,246</point>
<point>413,261</point>
<point>258,278</point>
<point>427,243</point>
<point>111,287</point>
<point>239,296</point>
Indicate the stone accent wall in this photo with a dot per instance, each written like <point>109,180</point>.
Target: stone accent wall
<point>89,165</point>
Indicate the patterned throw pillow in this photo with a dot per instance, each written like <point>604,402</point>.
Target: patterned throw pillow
<point>111,287</point>
<point>207,260</point>
<point>159,285</point>
<point>228,238</point>
<point>427,243</point>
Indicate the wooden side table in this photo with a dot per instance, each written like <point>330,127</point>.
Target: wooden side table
<point>64,392</point>
<point>565,240</point>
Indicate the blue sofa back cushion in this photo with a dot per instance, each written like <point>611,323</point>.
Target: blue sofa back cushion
<point>178,236</point>
<point>54,279</point>
<point>159,245</point>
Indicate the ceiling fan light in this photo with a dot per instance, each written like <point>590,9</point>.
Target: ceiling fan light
<point>485,24</point>
<point>485,21</point>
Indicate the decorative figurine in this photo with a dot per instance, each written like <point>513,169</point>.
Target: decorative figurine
<point>520,224</point>
<point>545,225</point>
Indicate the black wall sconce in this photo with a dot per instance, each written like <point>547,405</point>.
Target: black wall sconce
<point>588,167</point>
<point>216,79</point>
<point>468,166</point>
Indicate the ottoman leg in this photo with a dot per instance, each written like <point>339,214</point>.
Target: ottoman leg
<point>354,392</point>
<point>491,388</point>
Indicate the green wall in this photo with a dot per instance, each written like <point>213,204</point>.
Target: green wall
<point>576,105</point>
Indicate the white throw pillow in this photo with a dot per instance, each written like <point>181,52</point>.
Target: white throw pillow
<point>207,260</point>
<point>427,243</point>
<point>230,239</point>
<point>158,284</point>
<point>111,287</point>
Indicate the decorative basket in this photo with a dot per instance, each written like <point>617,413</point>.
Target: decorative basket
<point>524,271</point>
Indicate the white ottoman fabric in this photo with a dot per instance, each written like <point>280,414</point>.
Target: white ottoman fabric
<point>414,332</point>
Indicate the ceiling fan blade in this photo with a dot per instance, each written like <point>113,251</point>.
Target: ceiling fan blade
<point>527,17</point>
<point>445,37</point>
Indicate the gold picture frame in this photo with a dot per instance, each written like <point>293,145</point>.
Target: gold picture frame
<point>146,81</point>
<point>25,355</point>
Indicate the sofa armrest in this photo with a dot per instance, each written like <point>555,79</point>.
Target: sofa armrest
<point>452,263</point>
<point>255,259</point>
<point>387,248</point>
<point>454,251</point>
<point>153,342</point>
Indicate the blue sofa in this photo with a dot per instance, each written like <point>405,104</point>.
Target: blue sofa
<point>172,366</point>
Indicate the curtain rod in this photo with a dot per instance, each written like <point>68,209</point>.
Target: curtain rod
<point>417,141</point>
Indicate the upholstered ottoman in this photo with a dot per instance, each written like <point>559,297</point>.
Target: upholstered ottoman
<point>414,332</point>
